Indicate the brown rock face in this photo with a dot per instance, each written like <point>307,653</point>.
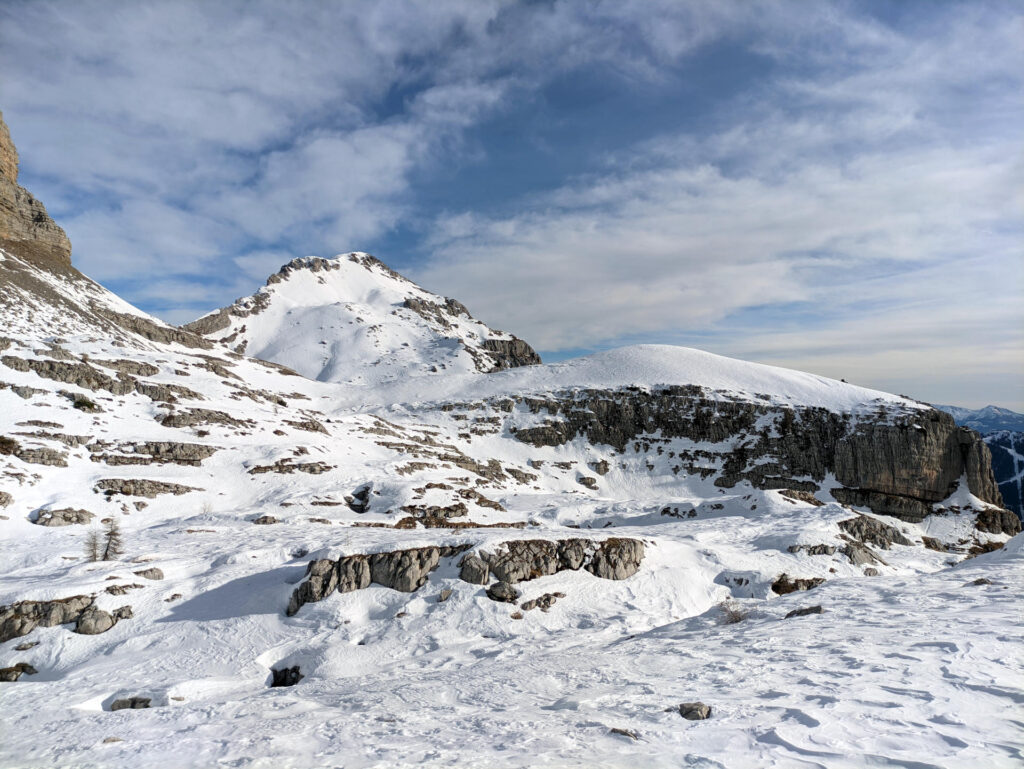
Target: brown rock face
<point>25,227</point>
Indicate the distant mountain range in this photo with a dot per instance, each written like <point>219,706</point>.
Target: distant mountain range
<point>1003,431</point>
<point>986,420</point>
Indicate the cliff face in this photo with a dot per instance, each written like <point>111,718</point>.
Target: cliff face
<point>25,228</point>
<point>897,462</point>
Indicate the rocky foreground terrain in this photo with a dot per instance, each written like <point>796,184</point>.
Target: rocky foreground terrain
<point>394,537</point>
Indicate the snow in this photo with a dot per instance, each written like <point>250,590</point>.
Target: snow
<point>647,367</point>
<point>344,320</point>
<point>917,666</point>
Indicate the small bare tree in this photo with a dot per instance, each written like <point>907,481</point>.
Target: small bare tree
<point>113,544</point>
<point>92,545</point>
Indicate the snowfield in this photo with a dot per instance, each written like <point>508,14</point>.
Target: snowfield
<point>913,661</point>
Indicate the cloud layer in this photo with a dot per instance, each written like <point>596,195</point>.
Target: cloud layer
<point>832,186</point>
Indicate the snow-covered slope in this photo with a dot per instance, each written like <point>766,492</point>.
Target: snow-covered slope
<point>352,319</point>
<point>477,570</point>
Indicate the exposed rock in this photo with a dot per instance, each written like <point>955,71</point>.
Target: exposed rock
<point>444,595</point>
<point>152,452</point>
<point>75,373</point>
<point>5,499</point>
<point>403,570</point>
<point>616,559</point>
<point>998,522</point>
<point>93,621</point>
<point>122,589</point>
<point>870,571</point>
<point>15,672</point>
<point>66,516</point>
<point>139,487</point>
<point>801,496</point>
<point>131,703</point>
<point>131,367</point>
<point>192,417</point>
<point>510,353</point>
<point>898,461</point>
<point>22,217</point>
<point>309,425</point>
<point>813,549</point>
<point>586,480</point>
<point>632,734</point>
<point>785,584</point>
<point>151,573</point>
<point>543,602</point>
<point>265,520</point>
<point>285,676</point>
<point>359,501</point>
<point>475,571</point>
<point>503,592</point>
<point>861,555</point>
<point>287,466</point>
<point>22,618</point>
<point>982,581</point>
<point>804,612</point>
<point>874,532</point>
<point>26,646</point>
<point>694,711</point>
<point>934,544</point>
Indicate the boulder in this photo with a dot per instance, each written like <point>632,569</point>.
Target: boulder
<point>616,559</point>
<point>151,573</point>
<point>873,531</point>
<point>784,584</point>
<point>502,592</point>
<point>22,618</point>
<point>131,703</point>
<point>66,516</point>
<point>694,711</point>
<point>285,676</point>
<point>15,672</point>
<point>804,612</point>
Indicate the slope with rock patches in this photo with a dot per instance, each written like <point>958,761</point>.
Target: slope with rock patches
<point>353,320</point>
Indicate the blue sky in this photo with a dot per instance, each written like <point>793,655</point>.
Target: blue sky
<point>833,187</point>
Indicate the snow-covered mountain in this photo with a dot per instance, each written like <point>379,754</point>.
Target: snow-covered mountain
<point>1003,432</point>
<point>522,567</point>
<point>986,420</point>
<point>354,320</point>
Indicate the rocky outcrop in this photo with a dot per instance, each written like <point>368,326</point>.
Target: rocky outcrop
<point>140,487</point>
<point>22,618</point>
<point>998,522</point>
<point>897,460</point>
<point>66,516</point>
<point>510,353</point>
<point>16,671</point>
<point>151,452</point>
<point>131,703</point>
<point>873,532</point>
<point>522,560</point>
<point>93,621</point>
<point>23,219</point>
<point>403,570</point>
<point>785,584</point>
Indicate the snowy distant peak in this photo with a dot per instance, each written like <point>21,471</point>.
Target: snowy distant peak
<point>353,319</point>
<point>986,420</point>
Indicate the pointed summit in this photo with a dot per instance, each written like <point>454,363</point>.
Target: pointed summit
<point>353,319</point>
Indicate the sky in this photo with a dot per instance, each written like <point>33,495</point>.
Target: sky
<point>829,186</point>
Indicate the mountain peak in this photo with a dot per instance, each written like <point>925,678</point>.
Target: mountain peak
<point>353,319</point>
<point>26,230</point>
